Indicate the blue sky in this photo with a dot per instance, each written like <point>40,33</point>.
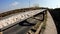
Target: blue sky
<point>6,5</point>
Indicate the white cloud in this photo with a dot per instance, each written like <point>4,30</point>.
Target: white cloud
<point>14,3</point>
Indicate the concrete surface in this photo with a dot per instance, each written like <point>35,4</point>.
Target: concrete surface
<point>50,26</point>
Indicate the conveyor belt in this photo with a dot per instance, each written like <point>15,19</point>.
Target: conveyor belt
<point>24,26</point>
<point>14,19</point>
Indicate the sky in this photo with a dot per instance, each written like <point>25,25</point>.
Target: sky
<point>6,5</point>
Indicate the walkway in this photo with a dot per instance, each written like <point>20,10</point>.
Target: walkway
<point>50,26</point>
